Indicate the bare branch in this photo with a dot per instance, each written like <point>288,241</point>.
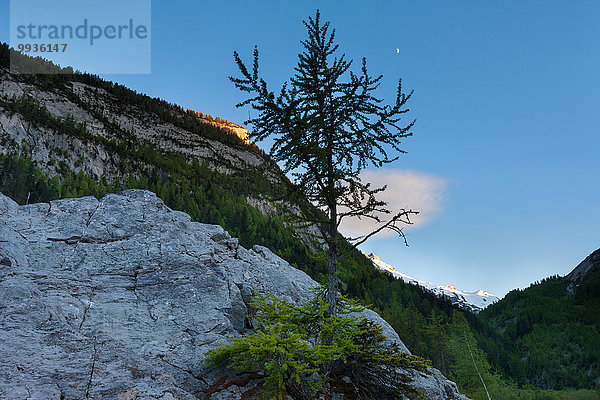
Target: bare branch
<point>390,225</point>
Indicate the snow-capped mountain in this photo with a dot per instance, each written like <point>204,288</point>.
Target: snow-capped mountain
<point>470,301</point>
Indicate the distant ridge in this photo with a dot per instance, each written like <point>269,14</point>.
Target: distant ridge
<point>468,301</point>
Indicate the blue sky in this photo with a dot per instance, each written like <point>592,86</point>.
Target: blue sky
<point>504,158</point>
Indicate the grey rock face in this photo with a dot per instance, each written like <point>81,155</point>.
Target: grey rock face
<point>590,263</point>
<point>437,386</point>
<point>120,299</point>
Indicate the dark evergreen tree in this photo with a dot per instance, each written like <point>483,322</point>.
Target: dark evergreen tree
<point>327,127</point>
<point>436,333</point>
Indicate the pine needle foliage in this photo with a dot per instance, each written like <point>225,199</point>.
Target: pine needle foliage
<point>299,351</point>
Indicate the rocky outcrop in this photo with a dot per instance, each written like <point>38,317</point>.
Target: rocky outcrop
<point>589,264</point>
<point>120,299</point>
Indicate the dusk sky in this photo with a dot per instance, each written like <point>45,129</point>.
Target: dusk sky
<point>504,161</point>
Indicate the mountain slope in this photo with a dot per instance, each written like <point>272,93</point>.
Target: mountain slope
<point>548,335</point>
<point>585,278</point>
<point>468,301</point>
<point>101,123</point>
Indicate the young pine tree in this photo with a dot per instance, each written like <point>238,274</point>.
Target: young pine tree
<point>327,126</point>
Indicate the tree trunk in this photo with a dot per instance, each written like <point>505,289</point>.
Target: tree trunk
<point>332,287</point>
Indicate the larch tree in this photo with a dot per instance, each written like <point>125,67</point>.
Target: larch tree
<point>327,126</point>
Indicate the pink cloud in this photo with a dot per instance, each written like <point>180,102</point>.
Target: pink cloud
<point>405,189</point>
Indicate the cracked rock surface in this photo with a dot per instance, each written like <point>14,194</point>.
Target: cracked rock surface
<point>120,299</point>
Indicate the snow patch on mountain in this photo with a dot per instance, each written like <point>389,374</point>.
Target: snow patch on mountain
<point>470,301</point>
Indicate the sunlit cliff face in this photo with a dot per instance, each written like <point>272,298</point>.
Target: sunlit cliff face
<point>242,133</point>
<point>239,131</point>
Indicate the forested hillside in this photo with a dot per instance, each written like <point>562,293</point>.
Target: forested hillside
<point>218,191</point>
<point>547,335</point>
